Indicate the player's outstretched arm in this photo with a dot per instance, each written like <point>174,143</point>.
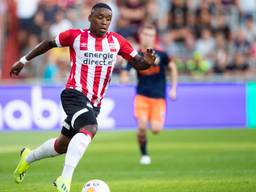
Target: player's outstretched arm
<point>145,61</point>
<point>174,79</point>
<point>40,49</point>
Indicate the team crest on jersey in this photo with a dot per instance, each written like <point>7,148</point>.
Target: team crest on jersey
<point>112,47</point>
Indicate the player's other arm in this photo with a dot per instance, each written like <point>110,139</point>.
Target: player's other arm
<point>139,63</point>
<point>40,49</point>
<point>131,55</point>
<point>174,79</point>
<point>145,61</point>
<point>64,39</point>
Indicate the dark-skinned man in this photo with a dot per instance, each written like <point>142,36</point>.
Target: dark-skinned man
<point>93,55</point>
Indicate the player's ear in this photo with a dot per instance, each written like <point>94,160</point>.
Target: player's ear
<point>90,18</point>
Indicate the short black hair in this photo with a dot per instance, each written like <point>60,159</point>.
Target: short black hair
<point>101,5</point>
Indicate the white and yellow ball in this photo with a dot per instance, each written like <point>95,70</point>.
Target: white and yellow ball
<point>96,185</point>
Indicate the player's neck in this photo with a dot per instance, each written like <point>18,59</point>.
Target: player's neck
<point>95,35</point>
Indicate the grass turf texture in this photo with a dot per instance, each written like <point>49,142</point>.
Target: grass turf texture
<point>183,161</point>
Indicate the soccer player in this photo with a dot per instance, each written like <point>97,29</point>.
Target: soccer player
<point>149,103</point>
<point>93,54</point>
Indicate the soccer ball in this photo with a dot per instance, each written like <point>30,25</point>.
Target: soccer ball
<point>96,185</point>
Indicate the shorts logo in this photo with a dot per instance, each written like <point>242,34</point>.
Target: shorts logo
<point>89,105</point>
<point>66,125</point>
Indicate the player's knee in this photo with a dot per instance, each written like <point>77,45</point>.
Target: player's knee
<point>142,125</point>
<point>156,131</point>
<point>61,145</point>
<point>89,130</point>
<point>156,128</point>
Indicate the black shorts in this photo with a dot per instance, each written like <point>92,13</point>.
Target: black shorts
<point>80,112</point>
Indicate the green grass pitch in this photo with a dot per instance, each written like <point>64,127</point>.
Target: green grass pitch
<point>182,161</point>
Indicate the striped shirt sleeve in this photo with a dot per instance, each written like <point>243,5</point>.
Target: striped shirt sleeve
<point>65,39</point>
<point>126,49</point>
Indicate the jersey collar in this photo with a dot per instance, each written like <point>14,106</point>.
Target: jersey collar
<point>96,37</point>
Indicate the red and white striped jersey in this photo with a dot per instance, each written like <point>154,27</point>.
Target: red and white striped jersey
<point>92,60</point>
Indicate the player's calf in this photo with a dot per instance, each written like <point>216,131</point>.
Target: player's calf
<point>142,138</point>
<point>61,144</point>
<point>142,141</point>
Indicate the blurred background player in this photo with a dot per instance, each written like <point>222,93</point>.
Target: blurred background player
<point>149,103</point>
<point>93,55</point>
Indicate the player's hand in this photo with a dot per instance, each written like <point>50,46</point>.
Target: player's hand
<point>172,94</point>
<point>16,68</point>
<point>150,56</point>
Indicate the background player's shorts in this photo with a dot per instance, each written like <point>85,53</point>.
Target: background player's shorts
<point>79,110</point>
<point>150,109</point>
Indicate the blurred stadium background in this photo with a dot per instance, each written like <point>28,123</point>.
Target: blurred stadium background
<point>213,43</point>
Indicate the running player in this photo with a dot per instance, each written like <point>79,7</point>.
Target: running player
<point>93,54</point>
<point>149,103</point>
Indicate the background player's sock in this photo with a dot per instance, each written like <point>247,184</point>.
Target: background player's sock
<point>142,140</point>
<point>76,149</point>
<point>43,151</point>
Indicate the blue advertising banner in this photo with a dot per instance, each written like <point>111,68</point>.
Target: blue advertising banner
<point>197,106</point>
<point>208,105</point>
<point>30,107</point>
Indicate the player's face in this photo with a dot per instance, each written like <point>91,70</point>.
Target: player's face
<point>100,20</point>
<point>147,37</point>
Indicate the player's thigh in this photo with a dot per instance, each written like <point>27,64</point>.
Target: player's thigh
<point>80,113</point>
<point>85,121</point>
<point>141,111</point>
<point>157,115</point>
